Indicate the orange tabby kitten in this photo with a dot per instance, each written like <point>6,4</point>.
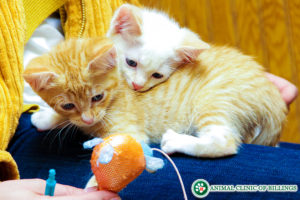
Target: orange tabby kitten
<point>205,109</point>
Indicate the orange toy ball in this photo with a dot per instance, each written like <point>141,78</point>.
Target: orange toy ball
<point>127,163</point>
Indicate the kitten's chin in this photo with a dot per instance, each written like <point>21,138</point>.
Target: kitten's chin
<point>99,122</point>
<point>84,125</point>
<point>88,125</point>
<point>144,89</point>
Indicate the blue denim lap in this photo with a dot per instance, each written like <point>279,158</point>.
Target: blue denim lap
<point>37,152</point>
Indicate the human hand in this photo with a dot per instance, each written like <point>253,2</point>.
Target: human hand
<point>288,91</point>
<point>34,189</point>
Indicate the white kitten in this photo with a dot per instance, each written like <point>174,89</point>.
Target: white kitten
<point>150,46</point>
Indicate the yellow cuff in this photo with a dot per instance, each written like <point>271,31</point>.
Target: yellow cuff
<point>30,108</point>
<point>8,167</point>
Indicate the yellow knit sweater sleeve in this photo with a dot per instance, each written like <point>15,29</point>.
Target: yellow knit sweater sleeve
<point>18,19</point>
<point>38,10</point>
<point>12,37</point>
<point>89,18</point>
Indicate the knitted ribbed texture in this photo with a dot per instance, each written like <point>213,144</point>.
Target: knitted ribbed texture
<point>89,18</point>
<point>38,10</point>
<point>12,37</point>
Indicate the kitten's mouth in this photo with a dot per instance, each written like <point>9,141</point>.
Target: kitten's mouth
<point>137,88</point>
<point>144,89</point>
<point>93,124</point>
<point>88,125</point>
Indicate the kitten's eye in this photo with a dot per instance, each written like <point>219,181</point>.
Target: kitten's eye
<point>157,75</point>
<point>131,63</point>
<point>68,106</point>
<point>98,97</point>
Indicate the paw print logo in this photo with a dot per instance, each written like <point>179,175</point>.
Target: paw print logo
<point>200,188</point>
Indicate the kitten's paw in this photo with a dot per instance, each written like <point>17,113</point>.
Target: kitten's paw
<point>91,183</point>
<point>43,120</point>
<point>171,142</point>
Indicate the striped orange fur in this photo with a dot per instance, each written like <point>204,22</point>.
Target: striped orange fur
<point>206,108</point>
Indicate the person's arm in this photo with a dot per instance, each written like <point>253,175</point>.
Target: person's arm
<point>35,188</point>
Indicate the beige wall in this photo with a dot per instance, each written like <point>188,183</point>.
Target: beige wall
<point>269,30</point>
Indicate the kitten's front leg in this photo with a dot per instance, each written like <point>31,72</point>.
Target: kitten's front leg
<point>47,119</point>
<point>212,141</point>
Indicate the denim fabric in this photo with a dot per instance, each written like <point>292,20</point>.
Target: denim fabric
<point>37,152</point>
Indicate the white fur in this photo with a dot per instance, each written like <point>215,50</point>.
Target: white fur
<point>91,183</point>
<point>213,141</point>
<point>45,119</point>
<point>154,50</point>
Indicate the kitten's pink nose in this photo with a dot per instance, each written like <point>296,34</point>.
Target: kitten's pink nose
<point>136,86</point>
<point>87,120</point>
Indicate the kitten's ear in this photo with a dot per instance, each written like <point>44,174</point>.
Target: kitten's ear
<point>40,80</point>
<point>190,48</point>
<point>103,63</point>
<point>37,75</point>
<point>125,22</point>
<point>187,54</point>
